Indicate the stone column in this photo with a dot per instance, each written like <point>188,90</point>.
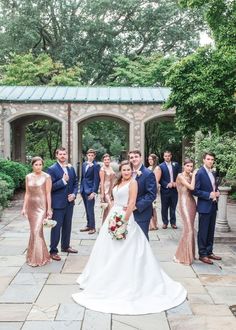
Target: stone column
<point>221,220</point>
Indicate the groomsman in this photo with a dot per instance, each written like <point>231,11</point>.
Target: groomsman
<point>89,188</point>
<point>64,191</point>
<point>169,195</point>
<point>147,190</point>
<point>207,192</point>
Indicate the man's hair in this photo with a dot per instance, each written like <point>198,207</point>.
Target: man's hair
<point>208,153</point>
<point>106,155</point>
<point>167,152</point>
<point>135,151</point>
<point>60,149</point>
<point>91,151</point>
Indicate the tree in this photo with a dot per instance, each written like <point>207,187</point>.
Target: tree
<point>105,136</point>
<point>161,136</point>
<point>141,70</point>
<point>43,137</point>
<point>28,70</point>
<point>221,18</point>
<point>93,33</point>
<point>203,87</point>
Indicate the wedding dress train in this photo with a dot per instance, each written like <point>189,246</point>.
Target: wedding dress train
<point>123,276</point>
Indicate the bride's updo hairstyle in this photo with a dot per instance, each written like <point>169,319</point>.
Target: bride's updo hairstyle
<point>119,177</point>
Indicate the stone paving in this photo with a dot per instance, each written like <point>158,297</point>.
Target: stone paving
<point>40,298</point>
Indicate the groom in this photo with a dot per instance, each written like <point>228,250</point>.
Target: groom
<point>147,190</point>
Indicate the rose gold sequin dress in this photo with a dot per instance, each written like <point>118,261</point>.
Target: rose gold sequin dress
<point>187,207</point>
<point>109,176</point>
<point>37,252</point>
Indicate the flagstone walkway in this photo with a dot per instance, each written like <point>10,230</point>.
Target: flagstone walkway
<point>40,298</point>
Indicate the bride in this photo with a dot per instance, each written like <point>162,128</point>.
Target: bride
<point>123,276</point>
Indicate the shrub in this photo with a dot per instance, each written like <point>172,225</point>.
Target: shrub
<point>8,179</point>
<point>16,171</point>
<point>48,163</point>
<point>4,193</point>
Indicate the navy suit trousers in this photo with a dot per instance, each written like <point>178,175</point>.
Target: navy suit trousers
<point>63,228</point>
<point>169,202</point>
<point>89,208</point>
<point>206,229</point>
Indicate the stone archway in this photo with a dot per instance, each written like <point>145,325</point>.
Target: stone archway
<point>88,113</point>
<point>14,132</point>
<point>160,134</point>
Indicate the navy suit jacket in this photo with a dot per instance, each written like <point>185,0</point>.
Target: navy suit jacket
<point>90,179</point>
<point>147,191</point>
<point>60,191</point>
<point>203,188</point>
<point>165,175</point>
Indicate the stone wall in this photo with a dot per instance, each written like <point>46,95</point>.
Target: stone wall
<point>134,115</point>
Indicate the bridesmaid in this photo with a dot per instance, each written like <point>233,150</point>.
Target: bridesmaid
<point>37,206</point>
<point>185,253</point>
<point>107,176</point>
<point>153,161</point>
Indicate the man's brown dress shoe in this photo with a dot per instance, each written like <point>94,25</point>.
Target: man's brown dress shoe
<point>174,226</point>
<point>214,257</point>
<point>92,231</point>
<point>69,250</point>
<point>85,229</point>
<point>206,260</point>
<point>164,226</point>
<point>55,257</point>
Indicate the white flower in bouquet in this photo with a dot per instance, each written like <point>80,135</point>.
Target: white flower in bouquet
<point>119,223</point>
<point>49,223</point>
<point>121,230</point>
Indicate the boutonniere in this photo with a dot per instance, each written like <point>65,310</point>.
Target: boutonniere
<point>90,164</point>
<point>139,173</point>
<point>69,165</point>
<point>174,163</point>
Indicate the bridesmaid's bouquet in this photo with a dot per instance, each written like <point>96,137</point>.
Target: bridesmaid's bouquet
<point>117,226</point>
<point>49,223</point>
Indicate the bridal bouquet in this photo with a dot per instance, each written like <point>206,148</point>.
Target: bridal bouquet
<point>49,223</point>
<point>117,226</point>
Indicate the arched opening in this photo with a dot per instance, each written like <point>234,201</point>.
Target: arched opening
<point>161,134</point>
<point>33,135</point>
<point>105,134</point>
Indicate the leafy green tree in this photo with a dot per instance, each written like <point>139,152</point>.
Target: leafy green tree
<point>93,33</point>
<point>141,70</point>
<point>161,136</point>
<point>203,87</point>
<point>105,136</point>
<point>43,137</point>
<point>31,70</point>
<point>220,16</point>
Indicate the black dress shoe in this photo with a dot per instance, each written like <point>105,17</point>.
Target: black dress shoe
<point>206,260</point>
<point>174,226</point>
<point>69,250</point>
<point>84,229</point>
<point>55,257</point>
<point>164,226</point>
<point>214,257</point>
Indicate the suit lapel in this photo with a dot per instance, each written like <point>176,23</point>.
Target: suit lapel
<point>59,168</point>
<point>206,175</point>
<point>167,170</point>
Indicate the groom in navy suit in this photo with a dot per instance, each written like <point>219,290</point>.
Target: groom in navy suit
<point>147,190</point>
<point>169,195</point>
<point>89,188</point>
<point>64,191</point>
<point>207,192</point>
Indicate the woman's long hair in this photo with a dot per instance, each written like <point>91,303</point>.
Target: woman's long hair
<point>155,160</point>
<point>119,177</point>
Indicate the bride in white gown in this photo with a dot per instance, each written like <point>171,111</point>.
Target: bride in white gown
<point>123,276</point>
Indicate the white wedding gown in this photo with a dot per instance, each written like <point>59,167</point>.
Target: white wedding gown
<point>123,276</point>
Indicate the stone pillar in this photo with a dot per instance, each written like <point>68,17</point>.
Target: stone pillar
<point>221,220</point>
<point>18,142</point>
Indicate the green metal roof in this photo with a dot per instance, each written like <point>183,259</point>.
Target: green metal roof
<point>83,94</point>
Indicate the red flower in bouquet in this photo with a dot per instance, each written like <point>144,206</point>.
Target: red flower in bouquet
<point>117,226</point>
